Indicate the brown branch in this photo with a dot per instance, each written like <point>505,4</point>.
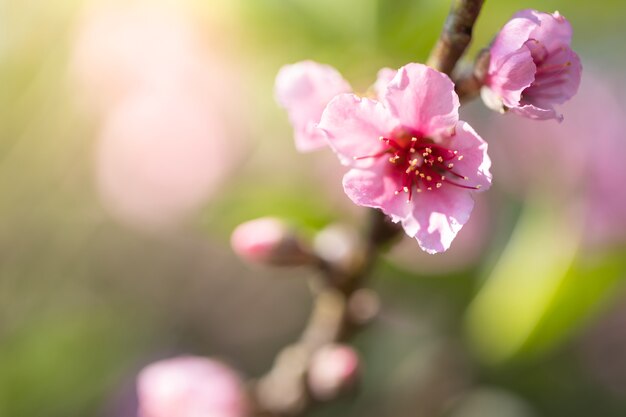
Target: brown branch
<point>341,306</point>
<point>468,83</point>
<point>455,36</point>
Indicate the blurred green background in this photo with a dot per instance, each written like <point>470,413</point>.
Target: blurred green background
<point>134,136</point>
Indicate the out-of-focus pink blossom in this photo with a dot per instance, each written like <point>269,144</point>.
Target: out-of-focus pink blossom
<point>305,88</point>
<point>159,157</point>
<point>169,108</point>
<point>532,66</point>
<point>269,241</point>
<point>333,369</point>
<point>578,161</point>
<point>410,155</point>
<point>190,387</point>
<point>123,48</point>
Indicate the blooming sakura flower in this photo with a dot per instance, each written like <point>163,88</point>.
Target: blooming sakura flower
<point>190,387</point>
<point>305,88</point>
<point>532,66</point>
<point>410,155</point>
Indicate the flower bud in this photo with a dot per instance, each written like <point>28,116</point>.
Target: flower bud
<point>269,241</point>
<point>339,246</point>
<point>333,369</point>
<point>190,387</point>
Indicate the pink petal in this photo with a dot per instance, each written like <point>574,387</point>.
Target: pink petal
<point>475,162</point>
<point>383,78</point>
<point>555,87</point>
<point>536,113</point>
<point>512,75</point>
<point>552,30</point>
<point>423,100</point>
<point>304,89</point>
<point>437,217</point>
<point>354,125</point>
<point>373,188</point>
<point>511,38</point>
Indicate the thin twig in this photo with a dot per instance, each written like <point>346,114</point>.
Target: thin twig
<point>455,36</point>
<point>282,391</point>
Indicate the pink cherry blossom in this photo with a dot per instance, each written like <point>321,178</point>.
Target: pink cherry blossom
<point>410,155</point>
<point>305,88</point>
<point>532,66</point>
<point>190,387</point>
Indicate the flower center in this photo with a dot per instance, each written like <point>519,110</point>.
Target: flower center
<point>420,164</point>
<point>553,70</point>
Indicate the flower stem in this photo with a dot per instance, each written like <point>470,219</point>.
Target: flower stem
<point>455,36</point>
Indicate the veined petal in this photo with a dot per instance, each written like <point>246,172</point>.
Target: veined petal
<point>353,126</point>
<point>555,86</point>
<point>383,78</point>
<point>534,112</point>
<point>474,161</point>
<point>512,37</point>
<point>423,100</point>
<point>304,89</point>
<point>512,75</point>
<point>374,187</point>
<point>437,217</point>
<point>552,30</point>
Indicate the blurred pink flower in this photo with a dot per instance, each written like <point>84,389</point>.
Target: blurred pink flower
<point>411,143</point>
<point>304,89</point>
<point>579,161</point>
<point>190,387</point>
<point>532,66</point>
<point>170,109</point>
<point>123,48</point>
<point>333,369</point>
<point>159,157</point>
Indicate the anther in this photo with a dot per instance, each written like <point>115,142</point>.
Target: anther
<point>413,139</point>
<point>430,188</point>
<point>460,158</point>
<point>466,178</point>
<point>478,186</point>
<point>406,189</point>
<point>412,150</point>
<point>429,178</point>
<point>439,185</point>
<point>450,165</point>
<point>440,159</point>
